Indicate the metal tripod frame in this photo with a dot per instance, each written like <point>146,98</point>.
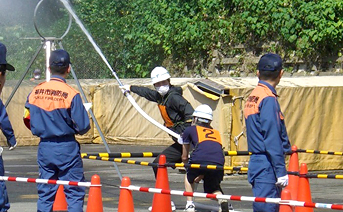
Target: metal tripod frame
<point>59,41</point>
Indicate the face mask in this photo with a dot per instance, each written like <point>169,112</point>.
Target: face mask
<point>163,90</point>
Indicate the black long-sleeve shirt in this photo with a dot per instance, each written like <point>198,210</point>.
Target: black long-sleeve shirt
<point>178,108</point>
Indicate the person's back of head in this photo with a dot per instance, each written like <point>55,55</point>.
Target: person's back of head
<point>59,62</point>
<point>202,115</point>
<point>269,66</point>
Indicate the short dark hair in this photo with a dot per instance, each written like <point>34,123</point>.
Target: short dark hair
<point>59,70</point>
<point>3,69</point>
<point>269,75</point>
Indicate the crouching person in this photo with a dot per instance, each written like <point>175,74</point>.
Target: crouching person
<point>207,150</point>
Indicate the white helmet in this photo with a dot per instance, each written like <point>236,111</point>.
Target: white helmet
<point>159,74</point>
<point>203,111</point>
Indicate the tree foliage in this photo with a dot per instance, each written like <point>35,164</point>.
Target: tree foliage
<point>140,34</point>
<point>311,30</point>
<point>137,35</point>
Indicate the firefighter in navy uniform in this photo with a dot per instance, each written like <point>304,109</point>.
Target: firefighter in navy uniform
<point>55,113</point>
<point>5,126</point>
<point>266,135</point>
<point>175,110</point>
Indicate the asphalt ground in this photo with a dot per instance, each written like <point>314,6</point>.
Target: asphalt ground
<point>23,196</point>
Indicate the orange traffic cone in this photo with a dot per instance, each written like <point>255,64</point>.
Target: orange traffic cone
<point>162,202</point>
<point>94,197</point>
<point>125,197</point>
<point>285,195</point>
<point>293,166</point>
<point>60,203</point>
<point>304,191</point>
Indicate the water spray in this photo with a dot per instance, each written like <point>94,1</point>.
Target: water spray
<point>127,94</point>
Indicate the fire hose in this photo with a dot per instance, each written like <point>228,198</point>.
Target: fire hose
<point>127,94</point>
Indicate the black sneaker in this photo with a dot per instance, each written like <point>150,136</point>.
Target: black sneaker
<point>224,206</point>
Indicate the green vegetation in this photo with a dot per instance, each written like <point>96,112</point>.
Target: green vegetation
<point>140,34</point>
<point>309,30</point>
<point>137,35</point>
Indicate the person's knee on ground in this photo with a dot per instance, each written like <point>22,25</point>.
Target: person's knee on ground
<point>224,206</point>
<point>219,193</point>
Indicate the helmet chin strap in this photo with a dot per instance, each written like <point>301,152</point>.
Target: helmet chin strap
<point>201,121</point>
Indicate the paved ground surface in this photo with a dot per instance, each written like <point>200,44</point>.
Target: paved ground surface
<point>23,196</point>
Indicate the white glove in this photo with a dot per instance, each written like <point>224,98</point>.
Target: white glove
<point>282,181</point>
<point>87,106</point>
<point>125,87</point>
<point>180,140</point>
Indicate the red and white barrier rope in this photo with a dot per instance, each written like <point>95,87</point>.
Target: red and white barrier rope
<point>46,181</point>
<point>311,204</point>
<point>235,198</point>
